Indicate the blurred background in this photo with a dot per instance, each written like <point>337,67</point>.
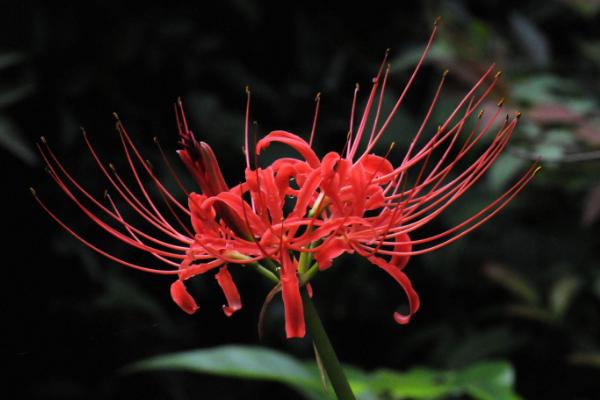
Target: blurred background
<point>524,288</point>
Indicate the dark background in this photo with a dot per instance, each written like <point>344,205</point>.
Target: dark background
<point>525,287</point>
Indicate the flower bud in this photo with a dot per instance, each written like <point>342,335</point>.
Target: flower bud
<point>201,162</point>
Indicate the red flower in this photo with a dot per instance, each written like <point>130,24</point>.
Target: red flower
<point>294,217</point>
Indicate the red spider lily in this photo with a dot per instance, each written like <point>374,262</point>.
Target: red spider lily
<point>353,201</point>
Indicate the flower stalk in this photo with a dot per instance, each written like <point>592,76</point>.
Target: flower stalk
<point>329,359</point>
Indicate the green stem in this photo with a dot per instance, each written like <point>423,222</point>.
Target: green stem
<point>265,272</point>
<point>327,354</point>
<point>308,275</point>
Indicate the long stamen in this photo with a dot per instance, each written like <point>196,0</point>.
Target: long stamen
<point>436,142</point>
<point>511,193</point>
<point>472,178</point>
<point>246,119</point>
<point>405,91</point>
<point>141,185</point>
<point>96,249</point>
<point>417,187</point>
<point>131,198</point>
<point>170,168</point>
<point>126,194</point>
<point>119,235</point>
<point>63,186</point>
<point>379,103</point>
<point>351,127</point>
<point>368,106</point>
<point>434,191</point>
<point>172,210</point>
<point>125,138</point>
<point>316,116</point>
<point>135,237</point>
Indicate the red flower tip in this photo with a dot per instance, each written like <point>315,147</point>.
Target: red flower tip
<point>182,298</point>
<point>234,301</point>
<point>292,301</point>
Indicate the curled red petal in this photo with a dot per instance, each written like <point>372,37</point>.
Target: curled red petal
<point>376,166</point>
<point>202,163</point>
<point>238,209</point>
<point>182,298</point>
<point>234,301</point>
<point>402,279</point>
<point>203,219</point>
<point>307,191</point>
<point>403,244</point>
<point>282,180</point>
<point>334,170</point>
<point>292,302</point>
<point>294,141</point>
<point>329,250</point>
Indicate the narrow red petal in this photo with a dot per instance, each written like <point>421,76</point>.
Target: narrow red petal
<point>182,298</point>
<point>234,301</point>
<point>402,279</point>
<point>292,302</point>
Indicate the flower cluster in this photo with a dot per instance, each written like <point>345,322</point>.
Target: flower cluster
<point>293,218</point>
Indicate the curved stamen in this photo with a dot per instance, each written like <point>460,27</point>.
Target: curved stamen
<point>134,236</point>
<point>512,192</point>
<point>96,249</point>
<point>125,138</point>
<point>316,116</point>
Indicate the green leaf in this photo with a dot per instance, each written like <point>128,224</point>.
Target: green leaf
<point>488,381</point>
<point>417,383</point>
<point>245,362</point>
<point>360,381</point>
<point>236,361</point>
<point>482,381</point>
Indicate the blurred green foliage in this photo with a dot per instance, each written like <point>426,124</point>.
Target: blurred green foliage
<point>482,381</point>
